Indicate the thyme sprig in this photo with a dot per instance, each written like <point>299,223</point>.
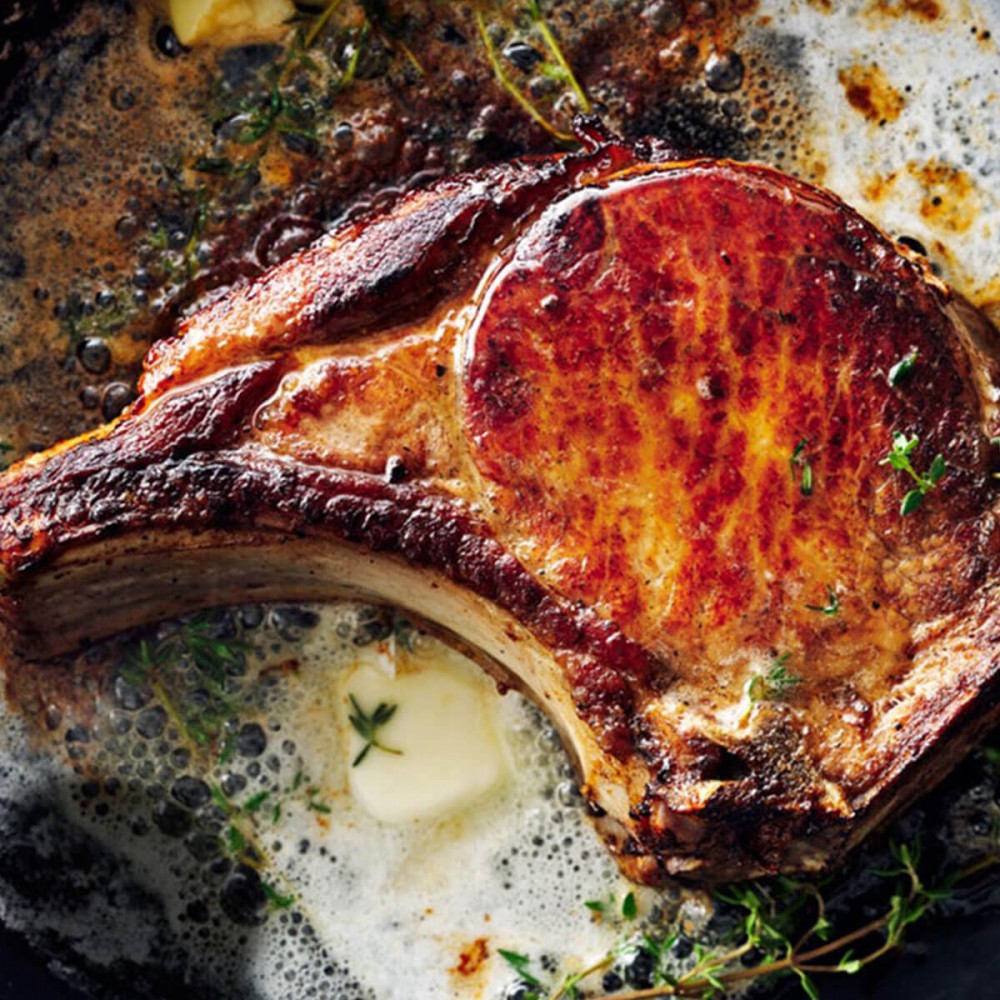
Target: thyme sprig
<point>367,726</point>
<point>523,101</point>
<point>279,108</point>
<point>239,839</point>
<point>565,73</point>
<point>775,684</point>
<point>559,70</point>
<point>770,940</point>
<point>899,458</point>
<point>199,704</point>
<point>180,264</point>
<point>155,663</point>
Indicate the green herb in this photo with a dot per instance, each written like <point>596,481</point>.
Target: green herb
<point>559,69</point>
<point>519,963</point>
<point>222,166</point>
<point>275,899</point>
<point>111,315</point>
<point>228,749</point>
<point>5,449</point>
<point>255,801</point>
<point>832,606</point>
<point>899,459</point>
<point>508,84</point>
<point>235,840</point>
<point>318,25</point>
<point>201,719</point>
<point>784,930</point>
<point>320,807</point>
<point>190,670</point>
<point>776,684</point>
<point>902,370</point>
<point>562,70</point>
<point>609,907</point>
<point>279,108</point>
<point>801,468</point>
<point>367,727</point>
<point>219,798</point>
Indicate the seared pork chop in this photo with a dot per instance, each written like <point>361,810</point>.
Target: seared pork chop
<point>620,430</point>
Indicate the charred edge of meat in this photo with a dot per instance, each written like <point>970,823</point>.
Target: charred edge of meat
<point>165,478</point>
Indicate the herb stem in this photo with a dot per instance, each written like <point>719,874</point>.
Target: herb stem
<point>556,49</point>
<point>319,24</point>
<point>571,980</point>
<point>164,697</point>
<point>511,88</point>
<point>411,57</point>
<point>352,66</point>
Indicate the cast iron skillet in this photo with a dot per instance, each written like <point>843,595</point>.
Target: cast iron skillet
<point>954,958</point>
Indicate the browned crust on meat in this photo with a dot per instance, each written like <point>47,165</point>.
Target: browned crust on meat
<point>558,434</point>
<point>376,272</point>
<point>178,474</point>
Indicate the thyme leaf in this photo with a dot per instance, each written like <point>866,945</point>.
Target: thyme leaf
<point>519,963</point>
<point>367,727</point>
<point>801,468</point>
<point>277,900</point>
<point>256,801</point>
<point>899,458</point>
<point>902,370</point>
<point>832,606</point>
<point>774,685</point>
<point>235,840</point>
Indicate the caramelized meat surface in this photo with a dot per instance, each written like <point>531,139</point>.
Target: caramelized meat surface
<point>619,429</point>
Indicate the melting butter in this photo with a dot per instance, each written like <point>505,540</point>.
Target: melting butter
<point>226,21</point>
<point>444,748</point>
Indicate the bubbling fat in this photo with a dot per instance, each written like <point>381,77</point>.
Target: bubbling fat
<point>399,877</point>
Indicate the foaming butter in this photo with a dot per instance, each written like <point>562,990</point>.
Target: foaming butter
<point>480,787</point>
<point>441,749</point>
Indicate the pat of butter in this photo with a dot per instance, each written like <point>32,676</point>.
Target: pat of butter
<point>444,726</point>
<point>226,21</point>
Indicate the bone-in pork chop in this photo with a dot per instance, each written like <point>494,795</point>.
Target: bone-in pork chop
<point>622,431</point>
